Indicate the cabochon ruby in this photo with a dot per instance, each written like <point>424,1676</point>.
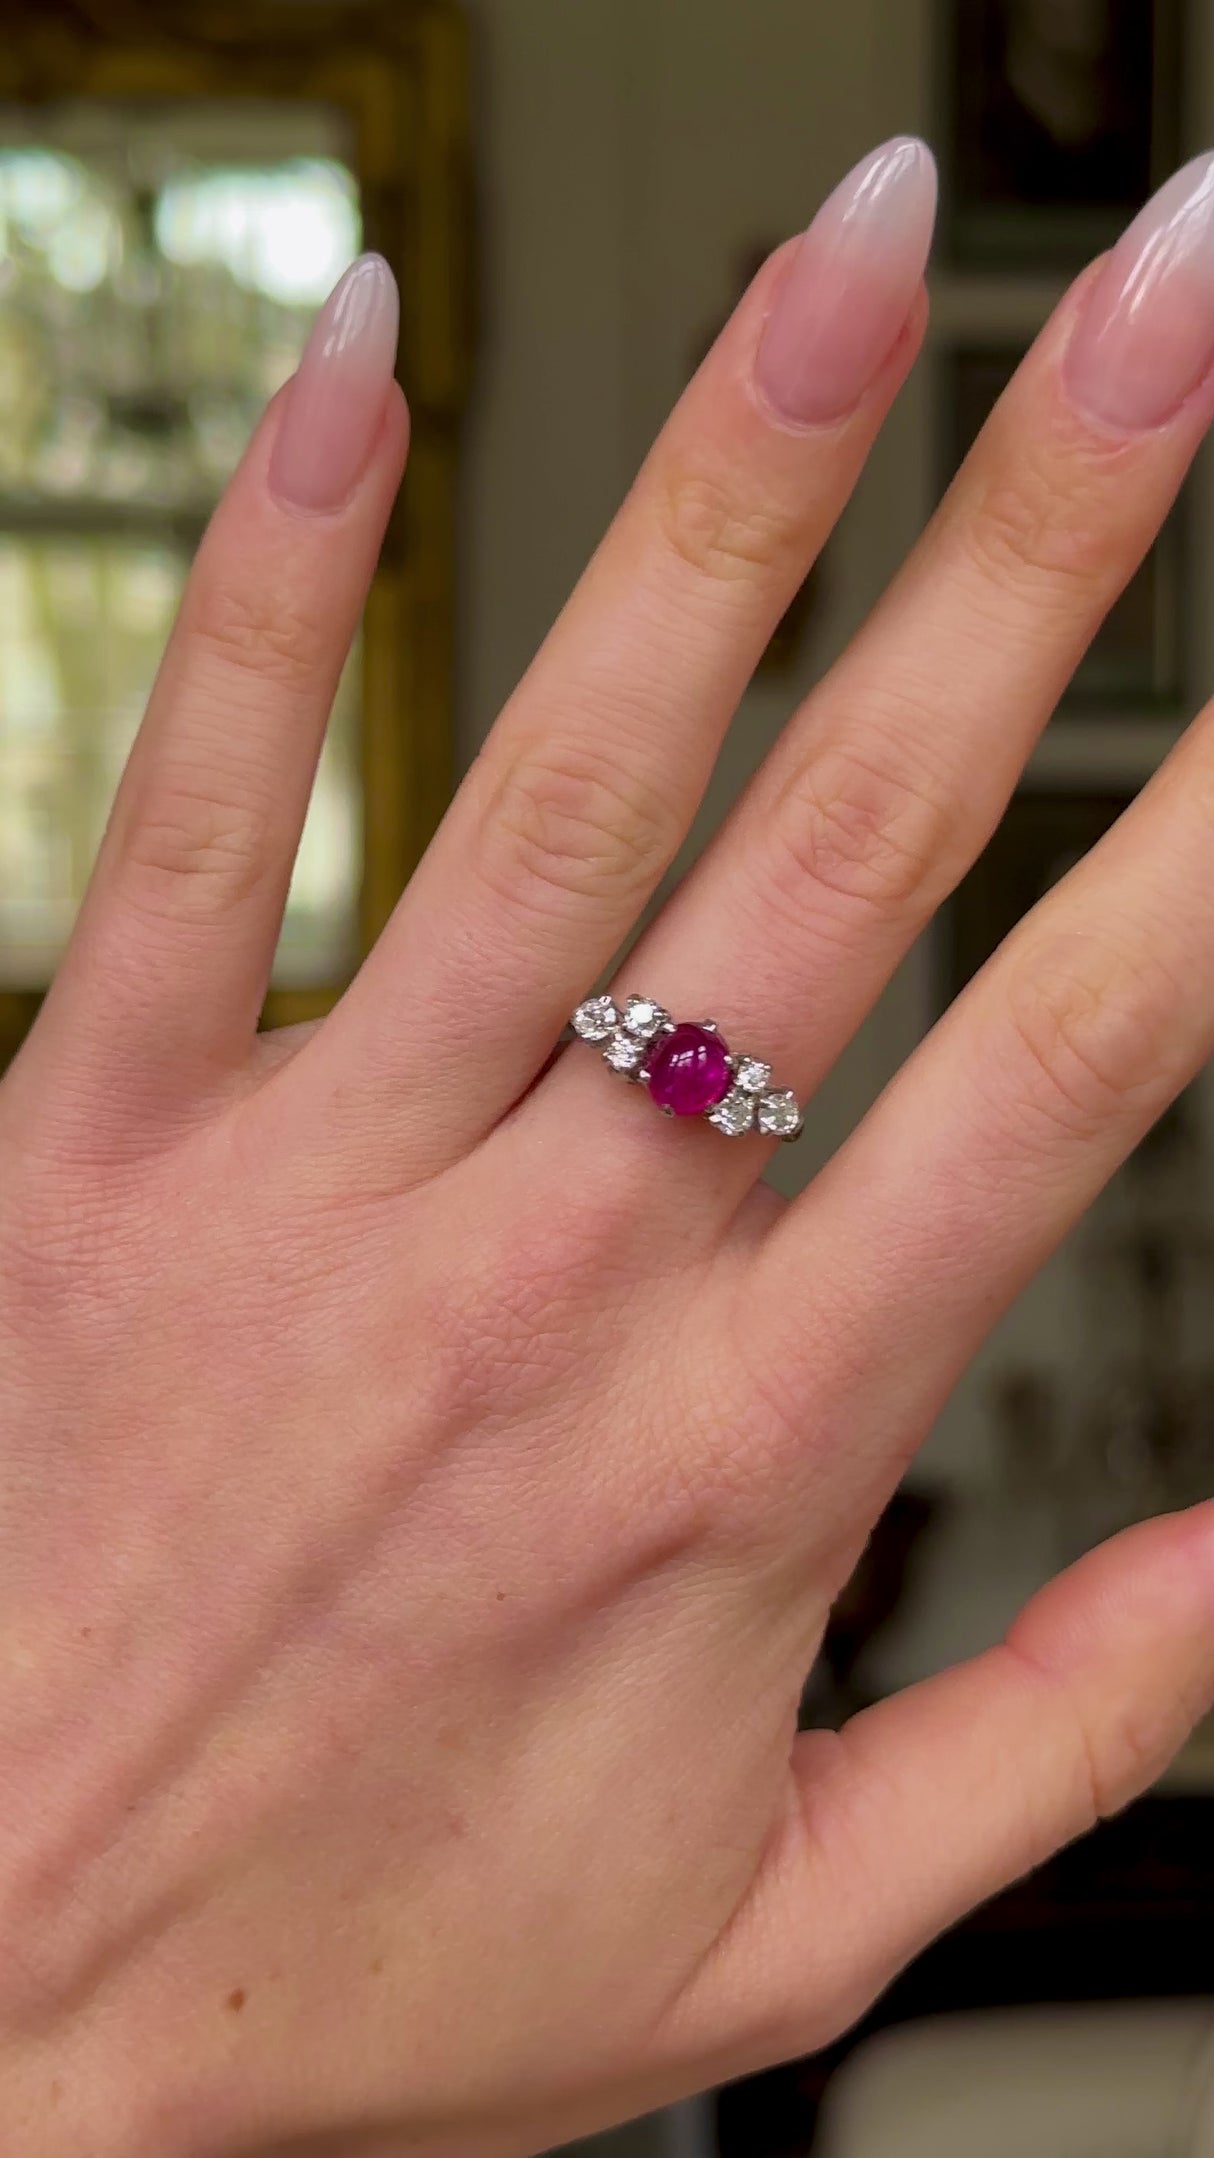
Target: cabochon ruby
<point>689,1070</point>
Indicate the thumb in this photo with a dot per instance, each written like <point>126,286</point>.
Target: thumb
<point>932,1801</point>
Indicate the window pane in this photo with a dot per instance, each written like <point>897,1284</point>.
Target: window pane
<point>82,624</point>
<point>159,269</point>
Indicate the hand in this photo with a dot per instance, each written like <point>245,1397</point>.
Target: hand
<point>425,1485</point>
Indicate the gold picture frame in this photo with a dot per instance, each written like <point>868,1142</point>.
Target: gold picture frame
<point>396,70</point>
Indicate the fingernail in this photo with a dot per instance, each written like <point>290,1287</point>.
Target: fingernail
<point>335,402</point>
<point>850,285</point>
<point>1146,336</point>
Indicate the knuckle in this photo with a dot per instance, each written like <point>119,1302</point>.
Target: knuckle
<point>1118,1749</point>
<point>1089,1026</point>
<point>709,523</point>
<point>189,850</point>
<point>271,635</point>
<point>575,827</point>
<point>1124,1761</point>
<point>65,1238</point>
<point>864,835</point>
<point>1026,525</point>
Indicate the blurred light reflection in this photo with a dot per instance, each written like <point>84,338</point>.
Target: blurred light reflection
<point>158,282</point>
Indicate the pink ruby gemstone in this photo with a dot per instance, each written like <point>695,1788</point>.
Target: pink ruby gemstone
<point>689,1070</point>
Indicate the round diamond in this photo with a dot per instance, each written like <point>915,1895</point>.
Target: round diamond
<point>735,1114</point>
<point>643,1017</point>
<point>689,1070</point>
<point>595,1019</point>
<point>624,1052</point>
<point>779,1115</point>
<point>752,1076</point>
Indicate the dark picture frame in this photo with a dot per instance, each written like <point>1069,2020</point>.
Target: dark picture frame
<point>1137,661</point>
<point>1058,119</point>
<point>1044,832</point>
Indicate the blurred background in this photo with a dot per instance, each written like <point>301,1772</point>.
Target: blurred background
<point>574,193</point>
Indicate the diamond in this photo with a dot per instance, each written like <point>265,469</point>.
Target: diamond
<point>643,1017</point>
<point>735,1114</point>
<point>752,1076</point>
<point>779,1115</point>
<point>624,1052</point>
<point>595,1019</point>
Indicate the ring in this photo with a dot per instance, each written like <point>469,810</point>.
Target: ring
<point>688,1067</point>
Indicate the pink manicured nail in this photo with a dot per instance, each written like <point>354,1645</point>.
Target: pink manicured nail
<point>336,402</point>
<point>850,285</point>
<point>1146,336</point>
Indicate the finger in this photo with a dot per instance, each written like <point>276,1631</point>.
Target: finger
<point>589,780</point>
<point>168,969</point>
<point>998,1133</point>
<point>938,1797</point>
<point>897,769</point>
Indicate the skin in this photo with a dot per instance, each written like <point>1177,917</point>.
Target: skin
<point>426,1481</point>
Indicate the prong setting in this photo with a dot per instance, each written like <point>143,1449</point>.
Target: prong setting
<point>595,1020</point>
<point>779,1115</point>
<point>625,1053</point>
<point>753,1076</point>
<point>644,1018</point>
<point>734,1114</point>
